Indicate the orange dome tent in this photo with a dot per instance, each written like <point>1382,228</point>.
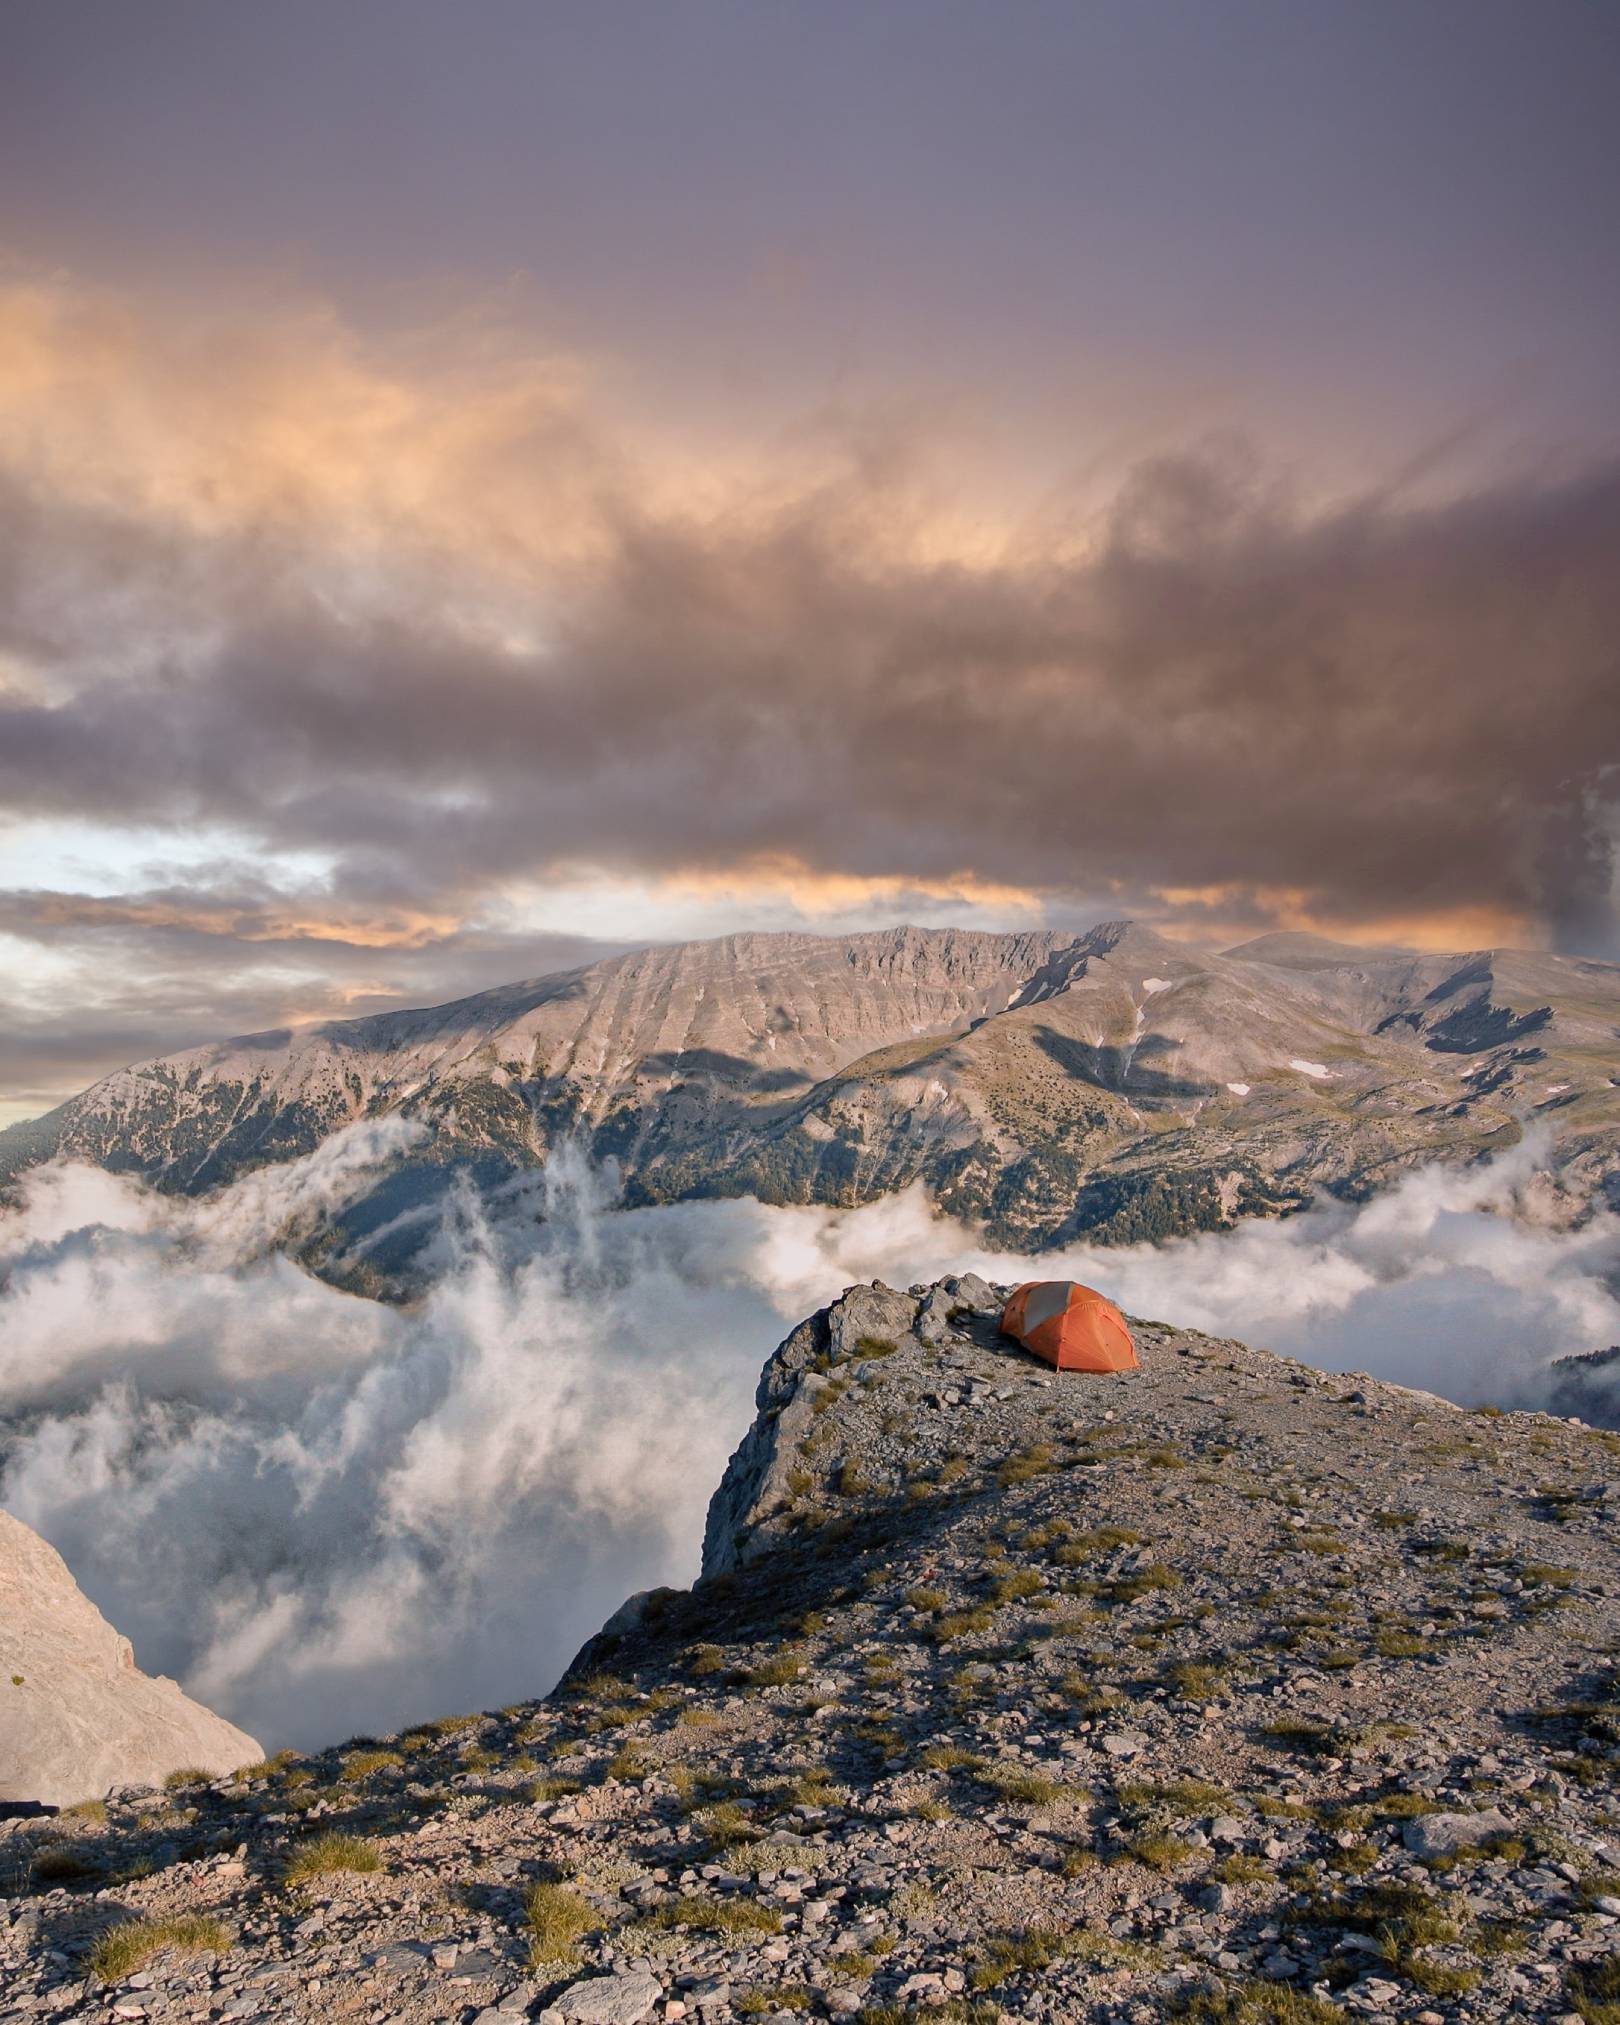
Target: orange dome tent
<point>1073,1328</point>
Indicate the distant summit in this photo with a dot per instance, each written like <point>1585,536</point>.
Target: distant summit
<point>1046,1086</point>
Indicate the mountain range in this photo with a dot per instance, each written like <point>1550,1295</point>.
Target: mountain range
<point>1045,1086</point>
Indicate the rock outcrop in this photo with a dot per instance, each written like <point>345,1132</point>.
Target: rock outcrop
<point>1220,1689</point>
<point>78,1718</point>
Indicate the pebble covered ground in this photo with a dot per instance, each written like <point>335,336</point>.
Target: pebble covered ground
<point>1224,1689</point>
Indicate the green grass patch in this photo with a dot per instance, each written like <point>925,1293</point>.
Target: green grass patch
<point>327,1854</point>
<point>365,1763</point>
<point>557,1919</point>
<point>700,1913</point>
<point>128,1947</point>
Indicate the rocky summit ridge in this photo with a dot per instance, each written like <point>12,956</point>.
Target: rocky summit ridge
<point>1044,1085</point>
<point>1222,1689</point>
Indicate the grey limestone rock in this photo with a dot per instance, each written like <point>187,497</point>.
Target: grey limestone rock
<point>78,1717</point>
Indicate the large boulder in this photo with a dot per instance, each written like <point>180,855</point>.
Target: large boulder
<point>77,1716</point>
<point>749,1510</point>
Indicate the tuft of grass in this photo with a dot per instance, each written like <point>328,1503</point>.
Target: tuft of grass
<point>329,1853</point>
<point>1594,1991</point>
<point>552,1787</point>
<point>960,1624</point>
<point>84,1810</point>
<point>267,1768</point>
<point>1159,1851</point>
<point>557,1919</point>
<point>1027,1464</point>
<point>1027,1789</point>
<point>1179,1796</point>
<point>1257,2004</point>
<point>128,1947</point>
<point>778,1997</point>
<point>951,1758</point>
<point>1143,1582</point>
<point>62,1863</point>
<point>777,1671</point>
<point>187,1775</point>
<point>1020,1583</point>
<point>1545,1574</point>
<point>364,1763</point>
<point>697,1912</point>
<point>926,1599</point>
<point>1240,1869</point>
<point>1088,1546</point>
<point>724,1825</point>
<point>1195,1680</point>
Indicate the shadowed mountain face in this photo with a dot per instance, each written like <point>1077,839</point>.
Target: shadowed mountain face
<point>1043,1085</point>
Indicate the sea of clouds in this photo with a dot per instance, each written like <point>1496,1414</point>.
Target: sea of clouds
<point>328,1515</point>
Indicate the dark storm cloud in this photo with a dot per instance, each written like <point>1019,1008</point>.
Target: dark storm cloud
<point>1391,711</point>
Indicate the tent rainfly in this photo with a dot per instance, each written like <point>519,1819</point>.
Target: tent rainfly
<point>1073,1328</point>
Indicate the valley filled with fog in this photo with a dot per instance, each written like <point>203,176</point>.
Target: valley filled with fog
<point>326,1514</point>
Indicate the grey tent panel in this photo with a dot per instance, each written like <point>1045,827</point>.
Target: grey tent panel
<point>1041,1303</point>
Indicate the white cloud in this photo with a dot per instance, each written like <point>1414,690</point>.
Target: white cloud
<point>328,1515</point>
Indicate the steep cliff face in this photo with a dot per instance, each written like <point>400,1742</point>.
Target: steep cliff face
<point>795,1387</point>
<point>765,1479</point>
<point>77,1716</point>
<point>1043,1086</point>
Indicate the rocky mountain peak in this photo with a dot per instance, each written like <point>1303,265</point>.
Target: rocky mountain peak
<point>1043,1086</point>
<point>1218,1689</point>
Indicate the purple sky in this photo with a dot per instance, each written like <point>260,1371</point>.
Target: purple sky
<point>483,482</point>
